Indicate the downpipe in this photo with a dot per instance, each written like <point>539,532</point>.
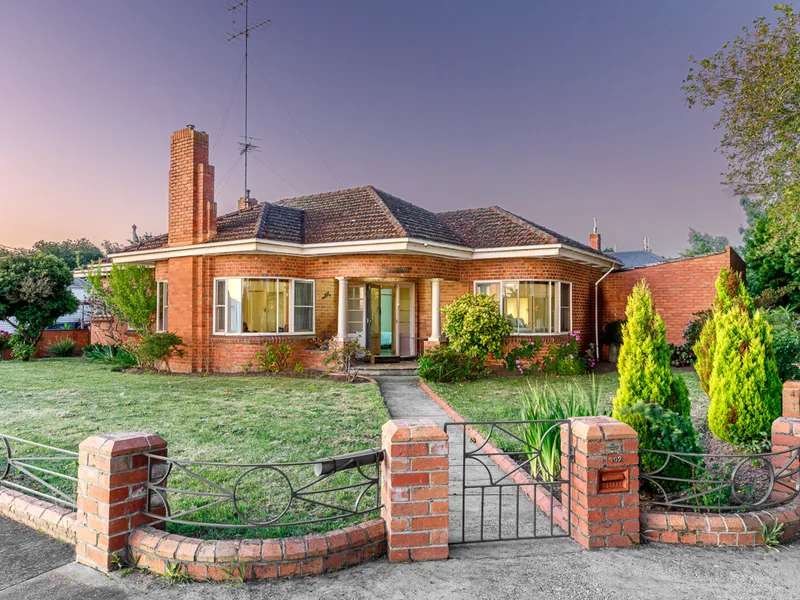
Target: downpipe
<point>597,315</point>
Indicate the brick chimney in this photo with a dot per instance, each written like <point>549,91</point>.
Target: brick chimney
<point>594,239</point>
<point>246,201</point>
<point>192,210</point>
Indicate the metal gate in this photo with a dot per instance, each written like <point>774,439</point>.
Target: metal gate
<point>501,504</point>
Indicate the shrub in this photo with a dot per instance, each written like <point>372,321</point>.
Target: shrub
<point>644,362</point>
<point>546,403</point>
<point>745,389</point>
<point>662,429</point>
<point>21,348</point>
<point>693,329</point>
<point>681,356</point>
<point>109,353</point>
<point>475,327</point>
<point>564,358</point>
<point>344,357</point>
<point>5,343</point>
<point>730,292</point>
<point>612,332</point>
<point>443,364</point>
<point>154,348</point>
<point>522,359</point>
<point>274,357</point>
<point>62,348</point>
<point>785,341</point>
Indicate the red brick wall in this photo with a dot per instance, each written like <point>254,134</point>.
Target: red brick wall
<point>191,294</point>
<point>679,288</point>
<point>50,337</point>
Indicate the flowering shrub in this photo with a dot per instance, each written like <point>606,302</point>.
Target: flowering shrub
<point>522,359</point>
<point>5,342</point>
<point>564,358</point>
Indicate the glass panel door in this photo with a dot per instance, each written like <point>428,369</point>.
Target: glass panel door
<point>356,313</point>
<point>375,319</point>
<point>405,320</point>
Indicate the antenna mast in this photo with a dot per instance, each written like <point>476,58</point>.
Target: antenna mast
<point>247,146</point>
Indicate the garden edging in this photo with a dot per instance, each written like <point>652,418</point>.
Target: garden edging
<point>543,499</point>
<point>223,560</point>
<point>734,529</point>
<point>53,520</point>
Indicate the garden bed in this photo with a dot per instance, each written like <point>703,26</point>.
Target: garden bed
<point>61,402</point>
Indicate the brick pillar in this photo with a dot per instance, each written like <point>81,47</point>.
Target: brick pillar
<point>415,482</point>
<point>785,435</point>
<point>604,503</point>
<point>112,477</point>
<point>791,399</point>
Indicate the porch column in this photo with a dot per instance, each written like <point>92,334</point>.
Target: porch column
<point>341,334</point>
<point>436,317</point>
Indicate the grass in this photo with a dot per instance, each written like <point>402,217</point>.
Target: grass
<point>203,418</point>
<point>500,398</point>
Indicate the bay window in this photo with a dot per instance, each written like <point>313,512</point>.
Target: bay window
<point>263,305</point>
<point>531,307</point>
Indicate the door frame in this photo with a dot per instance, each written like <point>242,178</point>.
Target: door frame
<point>366,328</point>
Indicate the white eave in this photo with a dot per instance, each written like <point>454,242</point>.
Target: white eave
<point>382,246</point>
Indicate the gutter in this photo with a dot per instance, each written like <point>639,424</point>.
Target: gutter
<point>597,314</point>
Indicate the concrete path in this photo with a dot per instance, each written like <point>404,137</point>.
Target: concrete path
<point>479,513</point>
<point>33,566</point>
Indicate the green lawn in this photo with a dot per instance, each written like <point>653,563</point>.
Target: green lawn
<point>203,418</point>
<point>498,398</point>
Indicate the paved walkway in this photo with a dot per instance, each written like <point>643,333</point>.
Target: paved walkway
<point>33,566</point>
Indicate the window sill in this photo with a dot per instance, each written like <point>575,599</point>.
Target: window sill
<point>564,333</point>
<point>254,334</point>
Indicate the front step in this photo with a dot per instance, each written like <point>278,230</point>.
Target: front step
<point>406,368</point>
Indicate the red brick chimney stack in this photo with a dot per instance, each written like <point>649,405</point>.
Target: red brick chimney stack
<point>246,202</point>
<point>594,239</point>
<point>192,210</point>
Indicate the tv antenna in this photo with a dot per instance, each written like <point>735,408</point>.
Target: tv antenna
<point>247,146</point>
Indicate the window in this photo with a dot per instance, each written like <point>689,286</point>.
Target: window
<point>263,306</point>
<point>532,307</point>
<point>355,309</point>
<point>162,306</point>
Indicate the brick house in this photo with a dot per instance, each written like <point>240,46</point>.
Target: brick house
<point>357,263</point>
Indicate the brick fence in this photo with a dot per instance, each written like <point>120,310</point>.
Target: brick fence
<point>51,336</point>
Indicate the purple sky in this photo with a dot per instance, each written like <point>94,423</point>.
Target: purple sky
<point>558,111</point>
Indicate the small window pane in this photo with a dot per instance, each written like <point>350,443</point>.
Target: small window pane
<point>355,309</point>
<point>303,306</point>
<point>234,305</point>
<point>566,306</point>
<point>511,305</point>
<point>541,306</point>
<point>490,289</point>
<point>220,297</point>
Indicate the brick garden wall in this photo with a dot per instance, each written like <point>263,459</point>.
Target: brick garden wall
<point>680,288</point>
<point>81,338</point>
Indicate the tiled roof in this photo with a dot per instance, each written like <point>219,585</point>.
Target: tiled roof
<point>367,213</point>
<point>637,258</point>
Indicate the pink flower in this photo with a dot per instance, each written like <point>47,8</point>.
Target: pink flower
<point>571,356</point>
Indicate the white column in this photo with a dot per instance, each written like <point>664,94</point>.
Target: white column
<point>436,317</point>
<point>341,334</point>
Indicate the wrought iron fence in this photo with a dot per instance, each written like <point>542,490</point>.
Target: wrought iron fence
<point>720,482</point>
<point>44,471</point>
<point>247,496</point>
<point>489,508</point>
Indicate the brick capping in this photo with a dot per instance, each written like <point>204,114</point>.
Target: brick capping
<point>729,529</point>
<point>53,520</point>
<point>207,560</point>
<point>544,500</point>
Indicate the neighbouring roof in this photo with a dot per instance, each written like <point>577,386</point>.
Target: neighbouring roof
<point>367,213</point>
<point>637,258</point>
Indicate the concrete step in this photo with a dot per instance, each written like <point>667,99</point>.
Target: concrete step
<point>377,371</point>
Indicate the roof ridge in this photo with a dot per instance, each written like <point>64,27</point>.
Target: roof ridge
<point>261,221</point>
<point>376,197</point>
<point>323,194</point>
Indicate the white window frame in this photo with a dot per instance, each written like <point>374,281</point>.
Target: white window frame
<point>291,331</point>
<point>555,295</point>
<point>160,328</point>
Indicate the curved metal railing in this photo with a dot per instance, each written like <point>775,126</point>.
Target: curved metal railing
<point>246,496</point>
<point>28,471</point>
<point>721,482</point>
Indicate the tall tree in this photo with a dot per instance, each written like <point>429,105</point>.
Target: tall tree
<point>754,82</point>
<point>34,292</point>
<point>74,253</point>
<point>704,243</point>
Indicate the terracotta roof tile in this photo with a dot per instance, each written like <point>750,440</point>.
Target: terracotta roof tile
<point>367,213</point>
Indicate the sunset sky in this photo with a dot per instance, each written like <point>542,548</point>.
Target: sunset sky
<point>558,111</point>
